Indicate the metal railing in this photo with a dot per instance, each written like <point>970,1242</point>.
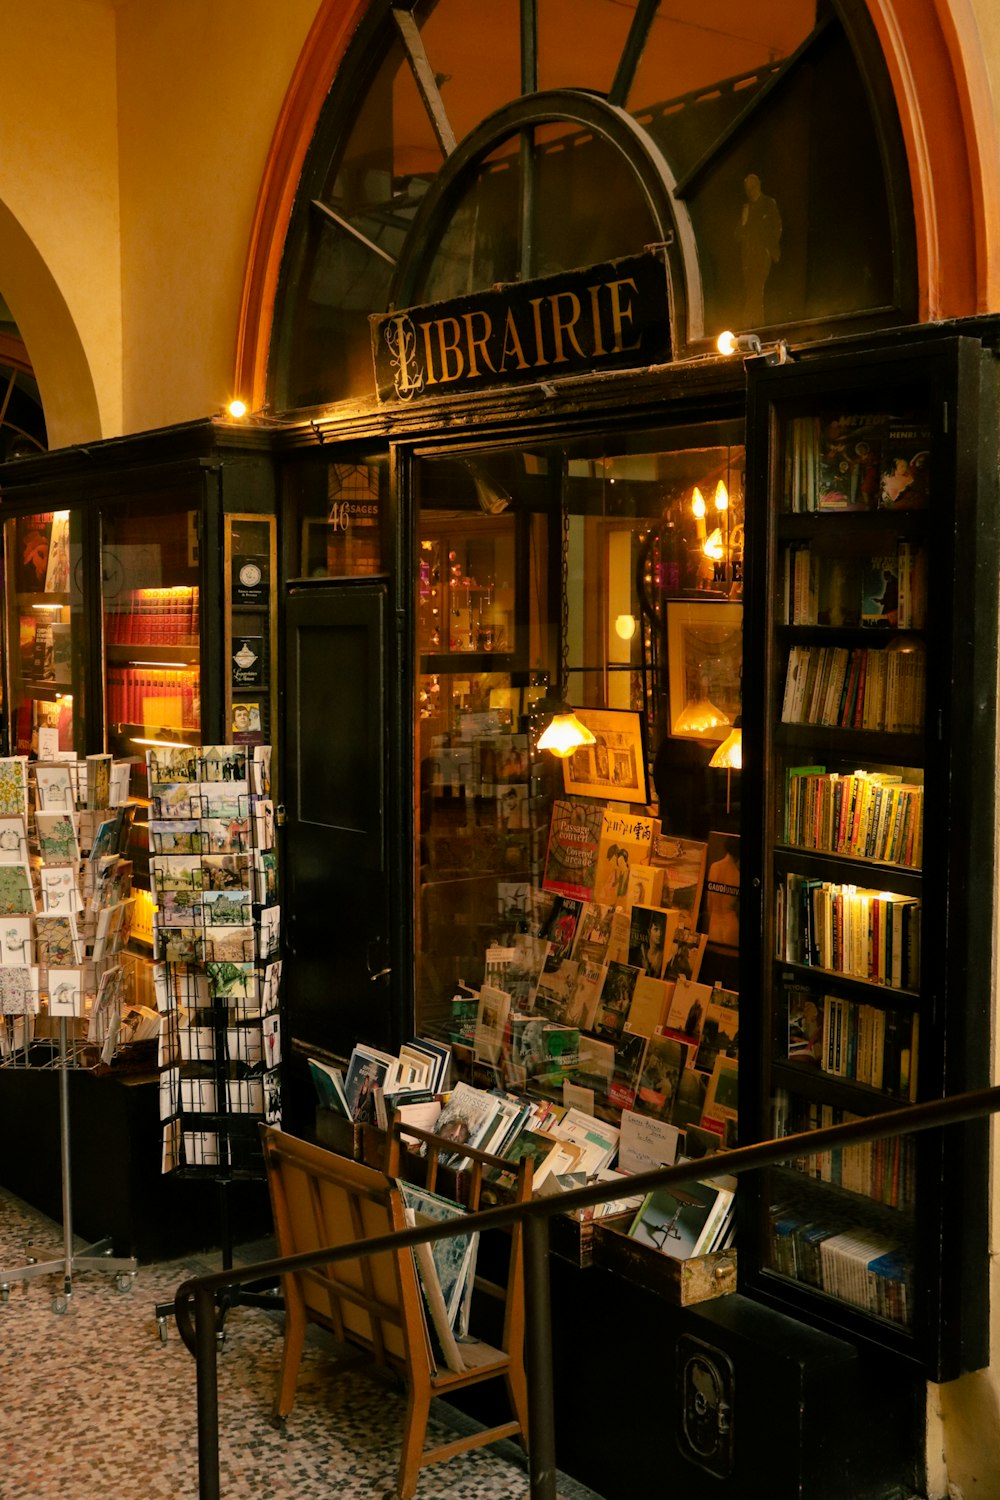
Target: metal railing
<point>195,1302</point>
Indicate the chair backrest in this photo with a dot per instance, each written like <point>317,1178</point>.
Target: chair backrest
<point>320,1200</point>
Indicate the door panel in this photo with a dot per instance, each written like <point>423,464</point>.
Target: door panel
<point>335,846</point>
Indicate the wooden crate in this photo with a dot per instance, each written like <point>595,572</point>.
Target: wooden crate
<point>683,1282</point>
<point>571,1235</point>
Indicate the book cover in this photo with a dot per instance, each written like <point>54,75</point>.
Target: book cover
<point>685,952</point>
<point>673,1220</point>
<point>615,1001</point>
<point>661,1072</point>
<point>904,482</point>
<point>880,591</point>
<point>571,858</point>
<point>593,932</point>
<point>630,1054</point>
<point>683,864</point>
<point>31,560</point>
<point>847,471</point>
<point>626,840</point>
<point>650,931</point>
<point>722,890</point>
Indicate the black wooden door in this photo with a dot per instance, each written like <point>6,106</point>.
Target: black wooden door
<point>338,984</point>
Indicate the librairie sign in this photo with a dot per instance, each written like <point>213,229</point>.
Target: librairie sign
<point>602,317</point>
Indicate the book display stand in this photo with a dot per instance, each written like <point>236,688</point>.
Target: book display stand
<point>66,922</point>
<point>216,970</point>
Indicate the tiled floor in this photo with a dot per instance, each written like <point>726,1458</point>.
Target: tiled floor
<point>96,1407</point>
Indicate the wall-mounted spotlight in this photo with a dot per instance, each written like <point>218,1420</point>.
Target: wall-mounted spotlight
<point>750,347</point>
<point>236,409</point>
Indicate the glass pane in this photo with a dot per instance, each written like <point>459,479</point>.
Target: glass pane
<point>580,42</point>
<point>842,1221</point>
<point>45,634</point>
<point>151,628</point>
<point>474,79</point>
<point>537,580</point>
<point>587,210</point>
<point>706,57</point>
<point>338,510</point>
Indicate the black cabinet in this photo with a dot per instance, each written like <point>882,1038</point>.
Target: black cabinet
<point>869,743</point>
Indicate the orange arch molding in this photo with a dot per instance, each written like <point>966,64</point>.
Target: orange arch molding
<point>934,54</point>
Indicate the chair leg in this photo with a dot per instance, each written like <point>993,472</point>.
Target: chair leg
<point>418,1407</point>
<point>517,1393</point>
<point>291,1354</point>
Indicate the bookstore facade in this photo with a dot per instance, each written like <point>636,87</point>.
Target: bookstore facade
<point>499,477</point>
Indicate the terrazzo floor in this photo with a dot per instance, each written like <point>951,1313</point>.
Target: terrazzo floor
<point>96,1407</point>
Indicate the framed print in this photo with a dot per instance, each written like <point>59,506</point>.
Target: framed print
<point>614,767</point>
<point>705,663</point>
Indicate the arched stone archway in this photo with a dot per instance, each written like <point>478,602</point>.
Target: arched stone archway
<point>58,358</point>
<point>934,54</point>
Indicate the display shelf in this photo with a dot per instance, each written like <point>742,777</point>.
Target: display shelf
<point>861,710</point>
<point>147,654</point>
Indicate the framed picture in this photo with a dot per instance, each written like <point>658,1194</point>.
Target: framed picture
<point>705,663</point>
<point>614,767</point>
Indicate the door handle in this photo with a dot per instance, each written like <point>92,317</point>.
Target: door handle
<point>382,974</point>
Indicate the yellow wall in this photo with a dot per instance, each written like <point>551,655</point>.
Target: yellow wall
<point>200,85</point>
<point>132,143</point>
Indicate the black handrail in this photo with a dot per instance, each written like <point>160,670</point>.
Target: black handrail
<point>200,1338</point>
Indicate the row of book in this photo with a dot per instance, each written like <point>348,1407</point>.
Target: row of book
<point>149,617</point>
<point>856,461</point>
<point>154,695</point>
<point>859,688</point>
<point>846,591</point>
<point>859,1266</point>
<point>883,1170</point>
<point>861,1042</point>
<point>863,814</point>
<point>847,929</point>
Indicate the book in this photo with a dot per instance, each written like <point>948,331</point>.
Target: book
<point>329,1085</point>
<point>615,1000</point>
<point>646,1142</point>
<point>880,591</point>
<point>904,481</point>
<point>848,458</point>
<point>663,1065</point>
<point>678,1221</point>
<point>651,929</point>
<point>722,890</point>
<point>571,856</point>
<point>683,864</point>
<point>626,840</point>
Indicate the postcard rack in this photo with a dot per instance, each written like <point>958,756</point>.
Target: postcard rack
<point>217,972</point>
<point>65,896</point>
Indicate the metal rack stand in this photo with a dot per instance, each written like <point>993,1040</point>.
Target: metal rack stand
<point>96,1257</point>
<point>257,1294</point>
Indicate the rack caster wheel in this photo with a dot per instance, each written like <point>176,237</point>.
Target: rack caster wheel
<point>161,1324</point>
<point>60,1304</point>
<point>124,1281</point>
<point>4,1293</point>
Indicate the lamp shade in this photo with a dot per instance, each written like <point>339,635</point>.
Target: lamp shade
<point>729,756</point>
<point>565,734</point>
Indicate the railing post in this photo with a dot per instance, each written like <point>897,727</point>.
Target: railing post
<point>538,1359</point>
<point>205,1353</point>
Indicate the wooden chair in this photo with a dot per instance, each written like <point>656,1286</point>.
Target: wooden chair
<point>323,1200</point>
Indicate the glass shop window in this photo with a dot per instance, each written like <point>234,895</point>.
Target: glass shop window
<point>599,579</point>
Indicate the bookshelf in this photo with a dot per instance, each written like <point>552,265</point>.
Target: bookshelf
<point>867,801</point>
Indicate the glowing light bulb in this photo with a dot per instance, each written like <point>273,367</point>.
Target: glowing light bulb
<point>712,546</point>
<point>721,496</point>
<point>237,408</point>
<point>726,343</point>
<point>698,504</point>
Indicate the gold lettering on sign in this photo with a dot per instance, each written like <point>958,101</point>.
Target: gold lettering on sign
<point>565,326</point>
<point>429,376</point>
<point>479,343</point>
<point>595,318</point>
<point>536,309</point>
<point>620,313</point>
<point>446,348</point>
<point>512,343</point>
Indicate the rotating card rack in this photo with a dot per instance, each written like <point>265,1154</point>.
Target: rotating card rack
<point>217,972</point>
<point>66,951</point>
